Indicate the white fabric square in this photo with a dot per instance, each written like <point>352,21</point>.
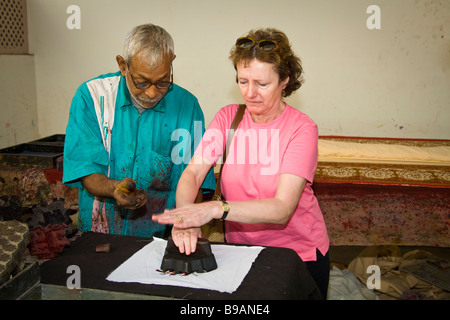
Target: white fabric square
<point>233,264</point>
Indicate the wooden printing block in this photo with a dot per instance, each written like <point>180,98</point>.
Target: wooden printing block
<point>106,247</point>
<point>202,260</point>
<point>14,239</point>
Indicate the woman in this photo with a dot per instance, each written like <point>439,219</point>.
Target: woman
<point>267,177</point>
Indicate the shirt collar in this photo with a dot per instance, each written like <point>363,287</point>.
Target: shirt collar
<point>124,98</point>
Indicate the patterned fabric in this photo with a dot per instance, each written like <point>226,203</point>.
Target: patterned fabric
<point>36,187</point>
<point>375,173</point>
<point>382,202</point>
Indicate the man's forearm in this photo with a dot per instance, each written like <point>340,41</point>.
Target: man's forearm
<point>99,185</point>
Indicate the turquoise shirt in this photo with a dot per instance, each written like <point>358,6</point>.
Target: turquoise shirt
<point>153,148</point>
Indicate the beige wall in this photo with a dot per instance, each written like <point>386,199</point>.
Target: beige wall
<point>392,82</point>
<point>18,108</point>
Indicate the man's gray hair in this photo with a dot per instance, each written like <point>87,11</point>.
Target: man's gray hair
<point>149,43</point>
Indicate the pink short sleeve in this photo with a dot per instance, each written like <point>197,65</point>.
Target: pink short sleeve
<point>300,157</point>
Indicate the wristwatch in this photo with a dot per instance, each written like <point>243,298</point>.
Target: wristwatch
<point>226,208</point>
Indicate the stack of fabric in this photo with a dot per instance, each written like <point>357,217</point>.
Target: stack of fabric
<point>409,276</point>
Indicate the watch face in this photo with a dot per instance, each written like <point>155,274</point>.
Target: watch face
<point>226,207</point>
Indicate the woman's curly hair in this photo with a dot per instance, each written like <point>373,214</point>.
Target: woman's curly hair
<point>285,62</point>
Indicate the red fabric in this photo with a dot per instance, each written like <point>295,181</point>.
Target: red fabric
<point>46,242</point>
<point>53,175</point>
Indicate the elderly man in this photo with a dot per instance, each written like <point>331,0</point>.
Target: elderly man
<point>129,137</point>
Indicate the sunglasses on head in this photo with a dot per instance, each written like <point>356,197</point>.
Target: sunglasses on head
<point>247,43</point>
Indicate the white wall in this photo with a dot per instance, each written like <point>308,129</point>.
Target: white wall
<point>392,82</point>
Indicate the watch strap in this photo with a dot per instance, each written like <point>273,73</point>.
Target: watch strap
<point>225,212</point>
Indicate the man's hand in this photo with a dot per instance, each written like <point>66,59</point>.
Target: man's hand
<point>127,196</point>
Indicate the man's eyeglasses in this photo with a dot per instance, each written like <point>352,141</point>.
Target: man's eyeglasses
<point>158,84</point>
<point>247,43</point>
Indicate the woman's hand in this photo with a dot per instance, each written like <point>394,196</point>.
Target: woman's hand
<point>191,215</point>
<point>127,196</point>
<point>186,239</point>
<point>187,221</point>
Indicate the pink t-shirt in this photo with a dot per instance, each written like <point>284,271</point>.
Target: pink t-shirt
<point>259,153</point>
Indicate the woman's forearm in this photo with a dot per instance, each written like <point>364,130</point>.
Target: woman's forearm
<point>188,188</point>
<point>276,210</point>
<point>263,211</point>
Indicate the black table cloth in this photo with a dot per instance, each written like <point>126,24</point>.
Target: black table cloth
<point>276,274</point>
